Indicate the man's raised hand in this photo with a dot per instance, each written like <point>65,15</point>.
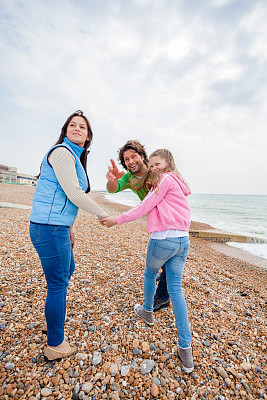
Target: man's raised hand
<point>113,173</point>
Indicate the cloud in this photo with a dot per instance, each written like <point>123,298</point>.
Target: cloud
<point>187,75</point>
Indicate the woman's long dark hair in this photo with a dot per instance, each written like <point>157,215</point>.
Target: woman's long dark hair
<point>87,143</point>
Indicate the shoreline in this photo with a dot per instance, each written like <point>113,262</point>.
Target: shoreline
<point>240,254</point>
<point>233,252</point>
<point>223,248</point>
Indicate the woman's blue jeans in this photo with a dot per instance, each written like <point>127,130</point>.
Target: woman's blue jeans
<point>52,243</point>
<point>173,253</point>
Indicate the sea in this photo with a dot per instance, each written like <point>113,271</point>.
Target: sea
<point>236,213</point>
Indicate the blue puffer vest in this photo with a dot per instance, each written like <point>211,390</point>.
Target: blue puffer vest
<point>50,204</point>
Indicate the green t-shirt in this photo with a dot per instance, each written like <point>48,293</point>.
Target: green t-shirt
<point>130,181</point>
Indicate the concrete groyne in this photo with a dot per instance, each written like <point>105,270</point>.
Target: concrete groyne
<point>224,237</point>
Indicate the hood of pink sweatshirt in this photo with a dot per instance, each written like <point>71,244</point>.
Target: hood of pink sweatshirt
<point>183,185</point>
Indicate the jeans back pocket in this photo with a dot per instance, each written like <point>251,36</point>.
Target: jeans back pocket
<point>162,252</point>
<point>35,233</point>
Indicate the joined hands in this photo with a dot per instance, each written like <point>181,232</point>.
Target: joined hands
<point>108,221</point>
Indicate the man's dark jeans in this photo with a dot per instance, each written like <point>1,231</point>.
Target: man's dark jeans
<point>162,291</point>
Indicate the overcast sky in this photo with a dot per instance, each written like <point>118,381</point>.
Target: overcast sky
<point>188,75</point>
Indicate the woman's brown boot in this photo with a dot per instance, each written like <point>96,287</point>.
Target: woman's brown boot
<point>62,351</point>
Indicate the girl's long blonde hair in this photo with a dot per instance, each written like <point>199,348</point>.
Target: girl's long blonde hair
<point>153,178</point>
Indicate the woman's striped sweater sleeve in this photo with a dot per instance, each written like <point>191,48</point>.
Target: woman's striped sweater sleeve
<point>63,164</point>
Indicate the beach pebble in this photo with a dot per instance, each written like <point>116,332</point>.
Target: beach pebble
<point>228,382</point>
<point>81,356</point>
<point>244,383</point>
<point>152,346</point>
<point>155,380</point>
<point>154,390</point>
<point>98,376</point>
<point>258,369</point>
<point>221,371</point>
<point>145,347</point>
<point>9,366</point>
<point>125,370</point>
<point>45,392</point>
<point>147,366</point>
<point>136,351</point>
<point>114,369</point>
<point>245,366</point>
<point>87,387</point>
<point>97,358</point>
<point>215,382</point>
<point>115,387</point>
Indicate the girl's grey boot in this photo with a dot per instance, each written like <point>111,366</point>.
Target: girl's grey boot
<point>186,357</point>
<point>147,316</point>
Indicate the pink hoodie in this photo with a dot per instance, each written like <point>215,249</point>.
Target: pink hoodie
<point>166,207</point>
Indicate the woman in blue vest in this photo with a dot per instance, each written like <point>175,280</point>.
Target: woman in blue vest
<point>62,188</point>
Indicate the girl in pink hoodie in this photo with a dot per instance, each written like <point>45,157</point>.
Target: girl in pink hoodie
<point>168,221</point>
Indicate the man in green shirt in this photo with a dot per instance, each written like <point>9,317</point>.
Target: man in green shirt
<point>133,158</point>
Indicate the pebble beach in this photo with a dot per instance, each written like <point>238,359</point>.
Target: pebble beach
<point>118,356</point>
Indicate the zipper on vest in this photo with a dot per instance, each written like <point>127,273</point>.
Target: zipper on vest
<point>64,205</point>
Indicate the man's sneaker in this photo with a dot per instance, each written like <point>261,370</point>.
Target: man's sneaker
<point>186,358</point>
<point>160,304</point>
<point>147,316</point>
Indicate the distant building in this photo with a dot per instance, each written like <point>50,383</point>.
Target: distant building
<point>25,179</point>
<point>8,174</point>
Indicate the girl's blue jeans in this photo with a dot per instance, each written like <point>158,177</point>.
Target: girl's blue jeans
<point>52,243</point>
<point>173,253</point>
